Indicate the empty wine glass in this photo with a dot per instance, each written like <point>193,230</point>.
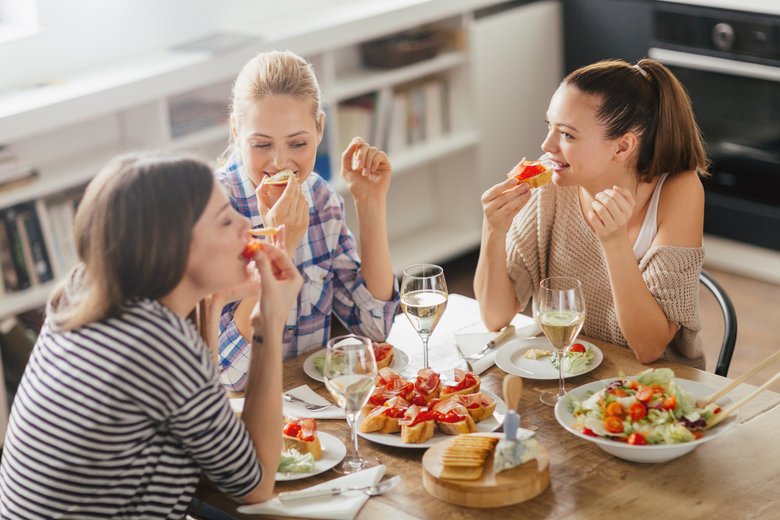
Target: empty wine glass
<point>423,300</point>
<point>559,308</point>
<point>349,372</point>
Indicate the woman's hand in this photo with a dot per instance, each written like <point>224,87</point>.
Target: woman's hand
<point>502,202</point>
<point>366,170</point>
<point>289,209</point>
<point>610,212</point>
<point>281,282</point>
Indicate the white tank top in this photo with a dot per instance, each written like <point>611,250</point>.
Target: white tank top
<point>650,224</point>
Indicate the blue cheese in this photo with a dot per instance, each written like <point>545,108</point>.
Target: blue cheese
<point>512,453</point>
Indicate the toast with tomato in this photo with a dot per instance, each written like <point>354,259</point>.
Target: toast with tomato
<point>384,418</point>
<point>427,385</point>
<point>453,418</point>
<point>479,405</point>
<point>280,178</point>
<point>533,173</point>
<point>465,383</point>
<point>417,424</point>
<point>384,354</point>
<point>301,434</point>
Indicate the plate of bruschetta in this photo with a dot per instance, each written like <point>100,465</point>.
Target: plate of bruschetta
<point>386,356</point>
<point>306,451</point>
<point>420,412</point>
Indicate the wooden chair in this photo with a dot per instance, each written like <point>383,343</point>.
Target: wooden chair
<point>729,323</point>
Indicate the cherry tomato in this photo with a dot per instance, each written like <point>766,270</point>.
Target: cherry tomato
<point>634,385</point>
<point>644,394</point>
<point>615,410</point>
<point>637,411</point>
<point>588,431</point>
<point>251,248</point>
<point>637,439</point>
<point>669,403</point>
<point>697,434</point>
<point>619,392</point>
<point>613,425</point>
<point>578,347</point>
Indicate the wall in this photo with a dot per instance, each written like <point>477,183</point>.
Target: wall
<point>78,34</point>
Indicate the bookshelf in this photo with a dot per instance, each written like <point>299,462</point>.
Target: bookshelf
<point>177,99</point>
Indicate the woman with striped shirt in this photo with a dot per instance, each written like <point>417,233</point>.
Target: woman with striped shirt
<point>121,407</point>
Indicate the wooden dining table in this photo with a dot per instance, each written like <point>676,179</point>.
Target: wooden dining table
<point>736,475</point>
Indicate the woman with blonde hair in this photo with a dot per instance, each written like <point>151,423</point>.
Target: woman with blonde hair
<point>120,408</point>
<point>624,213</point>
<point>276,124</point>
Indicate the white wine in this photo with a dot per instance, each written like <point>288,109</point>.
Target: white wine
<point>424,309</point>
<point>351,391</point>
<point>561,327</point>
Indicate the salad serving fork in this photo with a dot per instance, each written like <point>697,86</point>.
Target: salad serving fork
<point>309,406</point>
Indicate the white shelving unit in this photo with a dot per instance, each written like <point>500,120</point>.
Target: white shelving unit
<point>70,129</point>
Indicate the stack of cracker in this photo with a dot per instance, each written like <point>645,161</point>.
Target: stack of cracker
<point>465,457</point>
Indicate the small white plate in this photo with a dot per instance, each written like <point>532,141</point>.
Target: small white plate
<point>333,451</point>
<point>400,361</point>
<point>511,359</point>
<point>394,439</point>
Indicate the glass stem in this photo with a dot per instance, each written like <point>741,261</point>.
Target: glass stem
<point>352,421</point>
<point>560,372</point>
<point>425,351</point>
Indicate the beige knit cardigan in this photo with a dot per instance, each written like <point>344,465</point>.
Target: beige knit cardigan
<point>550,237</point>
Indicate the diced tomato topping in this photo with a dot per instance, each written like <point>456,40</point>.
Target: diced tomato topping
<point>644,394</point>
<point>449,417</point>
<point>251,248</point>
<point>588,431</point>
<point>292,430</point>
<point>637,439</point>
<point>669,403</point>
<point>613,425</point>
<point>419,400</point>
<point>378,399</point>
<point>395,413</point>
<point>716,410</point>
<point>468,381</point>
<point>615,410</point>
<point>578,347</point>
<point>529,169</point>
<point>637,411</point>
<point>424,415</point>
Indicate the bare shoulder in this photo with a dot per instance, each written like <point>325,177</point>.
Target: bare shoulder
<point>681,211</point>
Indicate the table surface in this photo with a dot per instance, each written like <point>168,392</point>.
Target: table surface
<point>733,476</point>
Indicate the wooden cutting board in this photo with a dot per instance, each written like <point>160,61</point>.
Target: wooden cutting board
<point>491,490</point>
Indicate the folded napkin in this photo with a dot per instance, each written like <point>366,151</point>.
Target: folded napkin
<point>472,338</point>
<point>341,507</point>
<point>297,409</point>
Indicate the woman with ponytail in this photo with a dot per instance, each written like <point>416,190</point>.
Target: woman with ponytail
<point>624,213</point>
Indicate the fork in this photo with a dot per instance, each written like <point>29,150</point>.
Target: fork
<point>309,406</point>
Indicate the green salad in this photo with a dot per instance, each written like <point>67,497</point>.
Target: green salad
<point>649,409</point>
<point>576,359</point>
<point>293,461</point>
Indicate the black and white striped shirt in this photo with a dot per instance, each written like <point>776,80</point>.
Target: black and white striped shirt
<point>117,419</point>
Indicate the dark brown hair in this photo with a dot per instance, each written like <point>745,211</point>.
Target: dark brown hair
<point>133,230</point>
<point>648,99</point>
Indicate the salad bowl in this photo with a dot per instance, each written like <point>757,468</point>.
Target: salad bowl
<point>641,453</point>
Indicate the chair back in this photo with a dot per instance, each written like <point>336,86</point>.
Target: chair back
<point>729,323</point>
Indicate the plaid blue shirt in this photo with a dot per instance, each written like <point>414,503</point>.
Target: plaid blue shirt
<point>332,280</point>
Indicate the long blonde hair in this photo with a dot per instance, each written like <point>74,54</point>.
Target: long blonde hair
<point>277,73</point>
<point>133,230</point>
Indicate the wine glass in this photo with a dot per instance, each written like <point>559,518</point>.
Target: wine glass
<point>349,372</point>
<point>559,307</point>
<point>423,300</point>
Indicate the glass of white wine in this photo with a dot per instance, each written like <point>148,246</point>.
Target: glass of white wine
<point>423,300</point>
<point>559,307</point>
<point>349,372</point>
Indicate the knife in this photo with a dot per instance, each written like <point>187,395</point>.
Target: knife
<point>506,333</point>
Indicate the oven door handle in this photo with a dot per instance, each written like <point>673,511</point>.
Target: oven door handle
<point>712,64</point>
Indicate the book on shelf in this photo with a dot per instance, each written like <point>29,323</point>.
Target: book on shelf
<point>14,172</point>
<point>34,246</point>
<point>355,118</point>
<point>21,275</point>
<point>398,136</point>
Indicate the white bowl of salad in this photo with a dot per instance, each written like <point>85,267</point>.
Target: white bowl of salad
<point>650,417</point>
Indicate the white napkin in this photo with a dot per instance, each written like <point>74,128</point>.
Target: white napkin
<point>472,338</point>
<point>340,507</point>
<point>297,409</point>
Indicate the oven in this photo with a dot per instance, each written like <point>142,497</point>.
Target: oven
<point>729,61</point>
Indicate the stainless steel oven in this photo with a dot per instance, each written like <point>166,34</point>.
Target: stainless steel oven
<point>729,61</point>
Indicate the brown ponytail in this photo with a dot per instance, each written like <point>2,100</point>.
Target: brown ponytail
<point>648,99</point>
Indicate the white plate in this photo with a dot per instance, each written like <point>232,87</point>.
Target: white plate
<point>511,359</point>
<point>400,361</point>
<point>333,451</point>
<point>653,453</point>
<point>394,439</point>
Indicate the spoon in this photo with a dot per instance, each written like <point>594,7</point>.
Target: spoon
<point>377,489</point>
